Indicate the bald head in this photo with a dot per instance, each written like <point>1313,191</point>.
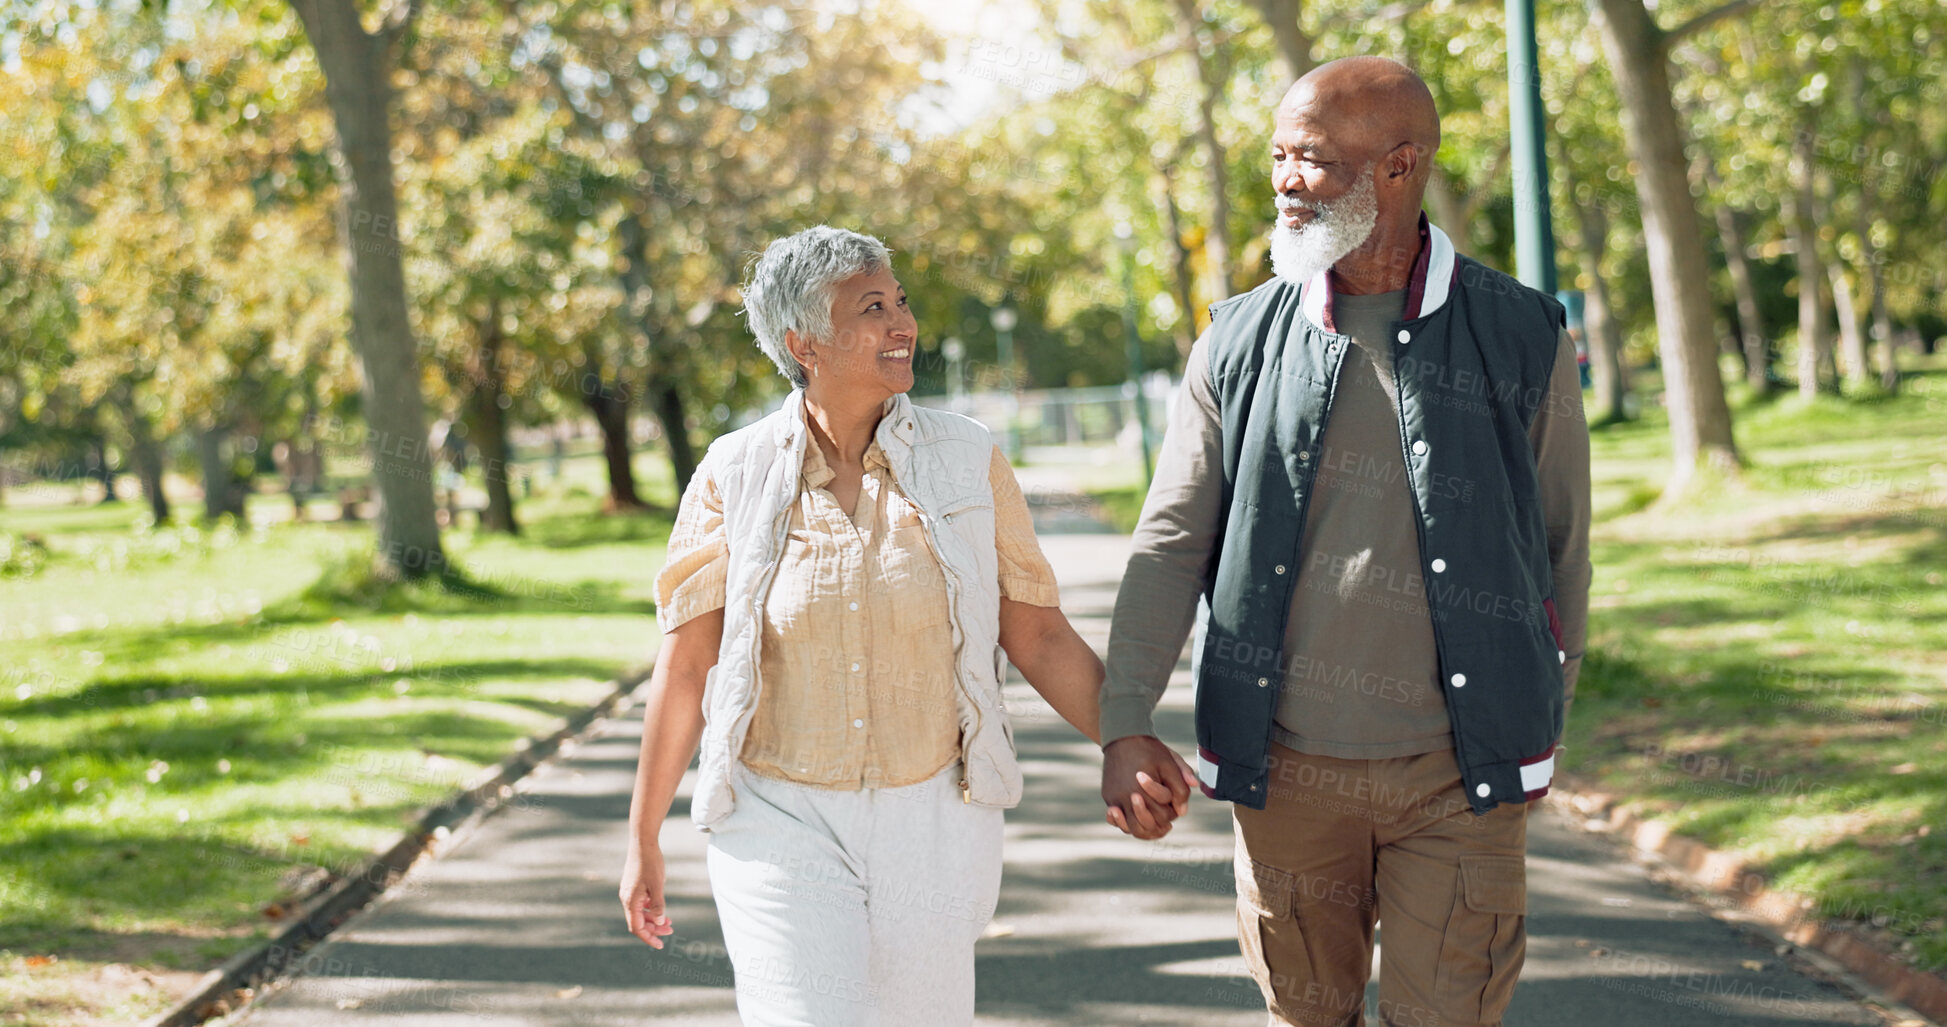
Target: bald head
<point>1351,152</point>
<point>1370,104</point>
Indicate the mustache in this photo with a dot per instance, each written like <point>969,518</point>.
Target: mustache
<point>1293,206</point>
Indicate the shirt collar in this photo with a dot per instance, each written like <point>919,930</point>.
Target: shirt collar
<point>1427,286</point>
<point>818,471</point>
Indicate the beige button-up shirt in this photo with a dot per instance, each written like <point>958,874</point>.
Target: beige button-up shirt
<point>857,657</point>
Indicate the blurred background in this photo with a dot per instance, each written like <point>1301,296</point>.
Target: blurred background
<point>353,357</point>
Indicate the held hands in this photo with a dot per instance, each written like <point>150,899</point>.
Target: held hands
<point>642,895</point>
<point>1146,785</point>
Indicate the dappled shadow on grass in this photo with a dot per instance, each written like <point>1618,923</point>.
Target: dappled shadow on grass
<point>593,528</point>
<point>144,690</point>
<point>349,581</point>
<point>1720,695</point>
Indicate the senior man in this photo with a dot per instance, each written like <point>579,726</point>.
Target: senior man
<point>1376,480</point>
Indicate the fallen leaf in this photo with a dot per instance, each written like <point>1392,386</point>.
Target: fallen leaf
<point>1753,965</point>
<point>574,992</point>
<point>34,962</point>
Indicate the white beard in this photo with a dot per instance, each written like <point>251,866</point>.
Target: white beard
<point>1339,227</point>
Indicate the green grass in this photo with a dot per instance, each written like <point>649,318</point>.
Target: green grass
<point>1767,666</point>
<point>190,719</point>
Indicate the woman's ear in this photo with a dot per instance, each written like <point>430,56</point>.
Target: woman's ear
<point>799,349</point>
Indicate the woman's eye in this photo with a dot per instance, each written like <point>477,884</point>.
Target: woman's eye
<point>875,305</point>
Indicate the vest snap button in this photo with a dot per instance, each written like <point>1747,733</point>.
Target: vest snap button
<point>1263,682</point>
<point>1482,790</point>
<point>1439,565</point>
<point>1459,680</point>
<point>1405,336</point>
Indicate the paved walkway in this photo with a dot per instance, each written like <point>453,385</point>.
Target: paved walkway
<point>518,922</point>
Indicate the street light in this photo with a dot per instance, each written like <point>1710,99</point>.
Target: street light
<point>952,349</point>
<point>1534,235</point>
<point>1004,319</point>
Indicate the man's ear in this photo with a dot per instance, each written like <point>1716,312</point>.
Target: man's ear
<point>1402,162</point>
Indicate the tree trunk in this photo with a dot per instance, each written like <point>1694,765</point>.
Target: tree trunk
<point>487,423</point>
<point>1852,336</point>
<point>1889,367</point>
<point>1606,371</point>
<point>1700,419</point>
<point>357,66</point>
<point>1294,44</point>
<point>103,472</point>
<point>669,411</point>
<point>1216,237</point>
<point>610,405</point>
<point>1185,275</point>
<point>1812,338</point>
<point>222,492</point>
<point>146,454</point>
<point>1750,322</point>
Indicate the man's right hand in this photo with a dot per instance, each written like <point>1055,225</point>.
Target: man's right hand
<point>1145,784</point>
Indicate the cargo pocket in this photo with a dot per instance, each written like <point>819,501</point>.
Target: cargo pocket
<point>1485,941</point>
<point>1267,927</point>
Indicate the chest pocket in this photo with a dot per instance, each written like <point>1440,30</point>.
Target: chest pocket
<point>909,570</point>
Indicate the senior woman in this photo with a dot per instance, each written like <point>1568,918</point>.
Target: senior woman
<point>846,581</point>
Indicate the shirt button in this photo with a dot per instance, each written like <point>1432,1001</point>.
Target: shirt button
<point>1459,680</point>
<point>858,723</point>
<point>1438,566</point>
<point>1419,447</point>
<point>1482,789</point>
<point>1263,682</point>
<point>855,605</point>
<point>1279,568</point>
<point>1405,336</point>
<point>855,666</point>
<point>1304,455</point>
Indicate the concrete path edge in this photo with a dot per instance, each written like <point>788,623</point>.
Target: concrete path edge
<point>230,987</point>
<point>1724,875</point>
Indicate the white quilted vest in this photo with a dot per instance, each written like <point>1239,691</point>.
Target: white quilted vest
<point>939,460</point>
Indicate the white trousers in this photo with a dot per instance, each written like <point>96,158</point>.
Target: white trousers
<point>854,908</point>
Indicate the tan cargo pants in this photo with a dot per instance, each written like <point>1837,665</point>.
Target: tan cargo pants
<point>1342,843</point>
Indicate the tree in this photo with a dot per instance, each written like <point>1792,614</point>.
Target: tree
<point>358,66</point>
<point>1639,58</point>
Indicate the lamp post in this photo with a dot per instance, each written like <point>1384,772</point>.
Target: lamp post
<point>1133,346</point>
<point>1004,319</point>
<point>952,349</point>
<point>1534,236</point>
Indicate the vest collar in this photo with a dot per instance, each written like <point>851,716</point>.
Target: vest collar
<point>1427,286</point>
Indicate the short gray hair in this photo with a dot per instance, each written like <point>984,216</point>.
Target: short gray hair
<point>789,287</point>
